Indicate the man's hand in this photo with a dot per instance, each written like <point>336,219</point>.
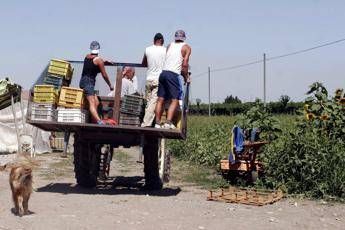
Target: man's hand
<point>108,62</point>
<point>188,80</point>
<point>186,77</point>
<point>111,88</point>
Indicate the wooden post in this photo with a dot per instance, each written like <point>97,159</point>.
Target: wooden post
<point>264,80</point>
<point>15,122</point>
<point>117,98</point>
<point>184,111</point>
<point>152,180</point>
<point>209,91</point>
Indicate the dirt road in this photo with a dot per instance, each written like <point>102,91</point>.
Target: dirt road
<point>58,203</point>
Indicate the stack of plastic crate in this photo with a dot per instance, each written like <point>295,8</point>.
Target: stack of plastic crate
<point>44,103</point>
<point>132,110</point>
<point>71,106</point>
<point>59,73</point>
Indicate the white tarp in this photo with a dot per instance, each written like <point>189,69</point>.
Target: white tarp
<point>8,135</point>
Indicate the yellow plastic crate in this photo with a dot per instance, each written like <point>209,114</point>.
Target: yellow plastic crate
<point>45,98</point>
<point>44,89</point>
<point>67,73</point>
<point>60,63</point>
<point>71,97</point>
<point>70,105</point>
<point>58,70</point>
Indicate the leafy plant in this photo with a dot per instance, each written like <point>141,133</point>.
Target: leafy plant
<point>325,114</point>
<point>258,117</point>
<point>310,158</point>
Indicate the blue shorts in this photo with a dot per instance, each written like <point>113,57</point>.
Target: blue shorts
<point>169,86</point>
<point>88,85</point>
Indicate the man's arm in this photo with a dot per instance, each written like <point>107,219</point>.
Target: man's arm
<point>135,83</point>
<point>100,63</point>
<point>144,62</point>
<point>186,52</point>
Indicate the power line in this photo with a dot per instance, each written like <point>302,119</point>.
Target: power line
<point>271,58</point>
<point>306,50</point>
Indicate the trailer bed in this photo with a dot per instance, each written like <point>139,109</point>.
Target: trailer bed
<point>108,130</point>
<point>125,135</point>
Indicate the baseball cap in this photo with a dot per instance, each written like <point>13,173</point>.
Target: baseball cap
<point>180,35</point>
<point>94,47</point>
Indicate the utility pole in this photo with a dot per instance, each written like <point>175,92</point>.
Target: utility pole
<point>264,80</point>
<point>209,91</point>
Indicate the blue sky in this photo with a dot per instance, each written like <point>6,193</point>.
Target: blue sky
<point>221,33</point>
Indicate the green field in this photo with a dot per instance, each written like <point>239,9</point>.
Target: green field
<point>301,160</point>
<point>208,138</point>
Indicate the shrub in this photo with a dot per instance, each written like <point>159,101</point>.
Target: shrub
<point>311,158</point>
<point>303,161</point>
<point>258,117</point>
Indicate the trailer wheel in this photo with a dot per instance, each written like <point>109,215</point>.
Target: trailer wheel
<point>150,150</point>
<point>86,162</point>
<point>164,161</point>
<point>230,176</point>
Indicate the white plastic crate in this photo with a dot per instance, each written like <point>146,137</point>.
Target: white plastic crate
<point>72,115</point>
<point>43,112</point>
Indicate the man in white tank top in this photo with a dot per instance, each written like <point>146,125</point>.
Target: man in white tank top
<point>153,59</point>
<point>170,87</point>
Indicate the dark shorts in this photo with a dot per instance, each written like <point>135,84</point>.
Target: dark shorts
<point>169,86</point>
<point>88,85</point>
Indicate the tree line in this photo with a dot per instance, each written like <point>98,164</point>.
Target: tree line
<point>233,106</point>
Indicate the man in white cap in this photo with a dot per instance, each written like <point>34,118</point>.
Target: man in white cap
<point>153,59</point>
<point>170,86</point>
<point>93,65</point>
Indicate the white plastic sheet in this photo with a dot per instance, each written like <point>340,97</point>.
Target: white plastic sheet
<point>8,135</point>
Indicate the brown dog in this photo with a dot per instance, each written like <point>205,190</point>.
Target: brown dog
<point>21,186</point>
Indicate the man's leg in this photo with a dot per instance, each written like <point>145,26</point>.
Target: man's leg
<point>174,92</point>
<point>150,106</point>
<point>159,110</point>
<point>92,107</point>
<point>161,94</point>
<point>172,109</point>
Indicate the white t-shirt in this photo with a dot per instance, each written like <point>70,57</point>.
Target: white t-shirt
<point>127,88</point>
<point>174,59</point>
<point>155,56</point>
<point>135,83</point>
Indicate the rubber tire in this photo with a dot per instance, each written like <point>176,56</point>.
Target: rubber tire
<point>232,177</point>
<point>150,150</point>
<point>164,161</point>
<point>167,167</point>
<point>86,163</point>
